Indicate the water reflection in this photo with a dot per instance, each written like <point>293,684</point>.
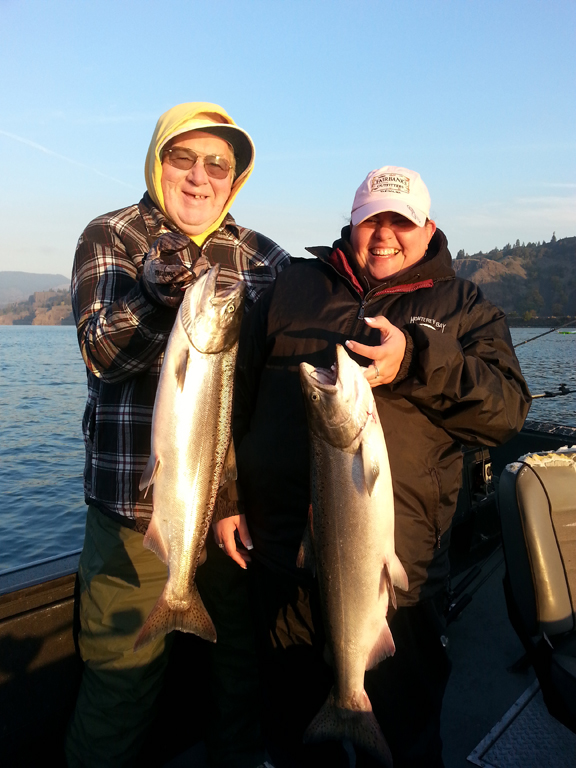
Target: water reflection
<point>42,395</point>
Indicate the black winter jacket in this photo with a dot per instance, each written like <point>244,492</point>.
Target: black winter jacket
<point>459,383</point>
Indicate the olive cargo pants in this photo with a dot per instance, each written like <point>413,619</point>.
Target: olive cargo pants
<point>120,582</point>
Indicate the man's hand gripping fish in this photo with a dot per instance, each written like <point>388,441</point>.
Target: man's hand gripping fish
<point>192,449</point>
<point>350,544</point>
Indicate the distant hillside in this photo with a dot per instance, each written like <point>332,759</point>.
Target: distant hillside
<point>42,308</point>
<point>526,281</point>
<point>532,280</point>
<point>18,286</point>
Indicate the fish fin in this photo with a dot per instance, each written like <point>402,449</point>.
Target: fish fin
<point>358,725</point>
<point>386,585</point>
<point>229,471</point>
<point>149,474</point>
<point>393,574</point>
<point>163,619</point>
<point>306,557</point>
<point>370,466</point>
<point>154,541</point>
<point>383,647</point>
<point>398,574</point>
<point>181,369</point>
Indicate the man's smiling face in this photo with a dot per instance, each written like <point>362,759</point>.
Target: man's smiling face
<point>387,243</point>
<point>192,199</point>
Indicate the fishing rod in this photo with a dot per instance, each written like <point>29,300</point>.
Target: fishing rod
<point>562,390</point>
<point>545,334</point>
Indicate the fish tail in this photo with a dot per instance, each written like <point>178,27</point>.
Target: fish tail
<point>163,619</point>
<point>334,723</point>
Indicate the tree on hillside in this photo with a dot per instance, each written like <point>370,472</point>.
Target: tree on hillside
<point>533,301</point>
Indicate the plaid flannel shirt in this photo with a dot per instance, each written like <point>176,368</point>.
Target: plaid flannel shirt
<point>123,334</point>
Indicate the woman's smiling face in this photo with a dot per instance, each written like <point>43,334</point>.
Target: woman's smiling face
<point>387,243</point>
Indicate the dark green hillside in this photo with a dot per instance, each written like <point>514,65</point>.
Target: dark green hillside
<point>533,280</point>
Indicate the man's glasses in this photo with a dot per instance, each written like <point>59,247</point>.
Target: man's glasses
<point>184,159</point>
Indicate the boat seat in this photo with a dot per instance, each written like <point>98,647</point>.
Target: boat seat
<point>537,504</point>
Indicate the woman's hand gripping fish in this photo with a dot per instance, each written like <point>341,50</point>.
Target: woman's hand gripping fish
<point>350,545</point>
<point>192,449</point>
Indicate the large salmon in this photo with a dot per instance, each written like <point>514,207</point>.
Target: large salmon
<point>350,544</point>
<point>192,452</point>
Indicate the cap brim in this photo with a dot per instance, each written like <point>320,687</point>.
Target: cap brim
<point>388,204</point>
<point>240,141</point>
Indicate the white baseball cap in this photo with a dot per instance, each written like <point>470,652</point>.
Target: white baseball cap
<point>391,188</point>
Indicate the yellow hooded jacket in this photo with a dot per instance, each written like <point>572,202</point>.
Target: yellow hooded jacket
<point>209,118</point>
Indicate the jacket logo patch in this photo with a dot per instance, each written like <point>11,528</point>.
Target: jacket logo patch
<point>391,182</point>
<point>429,322</point>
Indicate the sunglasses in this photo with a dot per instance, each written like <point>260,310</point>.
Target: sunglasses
<point>185,159</point>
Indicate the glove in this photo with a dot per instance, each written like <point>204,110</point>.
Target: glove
<point>165,275</point>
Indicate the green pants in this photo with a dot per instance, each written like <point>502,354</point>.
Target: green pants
<point>120,582</point>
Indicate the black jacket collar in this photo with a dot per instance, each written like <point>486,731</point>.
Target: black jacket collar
<point>436,264</point>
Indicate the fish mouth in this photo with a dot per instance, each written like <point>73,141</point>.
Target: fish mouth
<point>236,290</point>
<point>329,395</point>
<point>324,379</point>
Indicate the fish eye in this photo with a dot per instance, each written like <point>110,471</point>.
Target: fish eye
<point>315,396</point>
<point>230,308</point>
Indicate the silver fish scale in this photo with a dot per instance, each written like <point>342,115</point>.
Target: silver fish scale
<point>351,531</point>
<point>191,435</point>
<point>206,436</point>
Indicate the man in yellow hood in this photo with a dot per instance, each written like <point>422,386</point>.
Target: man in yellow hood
<point>129,271</point>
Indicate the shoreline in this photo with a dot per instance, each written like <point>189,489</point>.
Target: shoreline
<point>537,322</point>
<point>513,322</point>
<point>541,322</point>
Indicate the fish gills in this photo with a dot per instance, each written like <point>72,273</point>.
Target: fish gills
<point>350,544</point>
<point>192,451</point>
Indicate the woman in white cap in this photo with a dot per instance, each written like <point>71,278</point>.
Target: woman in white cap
<point>129,272</point>
<point>440,360</point>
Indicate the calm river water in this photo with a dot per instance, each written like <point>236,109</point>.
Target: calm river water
<point>42,394</point>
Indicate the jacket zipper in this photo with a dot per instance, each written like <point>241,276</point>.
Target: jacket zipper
<point>364,299</point>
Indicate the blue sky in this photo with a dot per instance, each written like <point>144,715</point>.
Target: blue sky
<point>476,95</point>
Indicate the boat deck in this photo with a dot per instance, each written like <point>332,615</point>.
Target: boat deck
<point>493,715</point>
<point>493,712</point>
